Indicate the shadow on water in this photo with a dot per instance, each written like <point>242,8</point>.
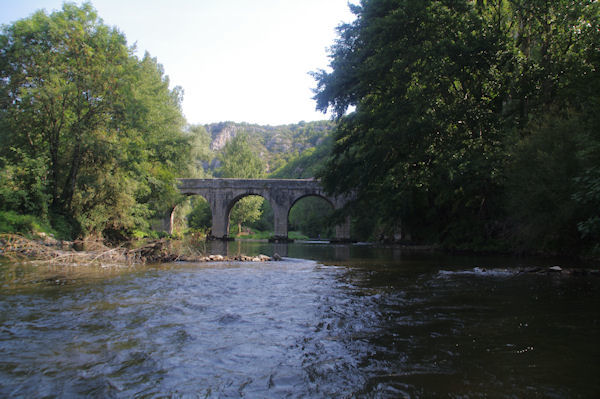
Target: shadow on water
<point>367,254</point>
<point>313,250</point>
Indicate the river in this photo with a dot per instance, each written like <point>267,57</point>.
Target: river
<point>329,321</point>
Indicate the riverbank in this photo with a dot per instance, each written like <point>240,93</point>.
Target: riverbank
<point>47,249</point>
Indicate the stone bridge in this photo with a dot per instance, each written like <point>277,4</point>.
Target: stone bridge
<point>282,194</point>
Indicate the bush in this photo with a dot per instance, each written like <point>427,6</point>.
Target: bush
<point>11,222</point>
<point>23,184</point>
<point>200,216</point>
<point>541,183</point>
<point>65,226</point>
<point>588,197</point>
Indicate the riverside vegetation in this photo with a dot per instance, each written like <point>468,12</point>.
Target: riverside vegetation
<point>472,125</point>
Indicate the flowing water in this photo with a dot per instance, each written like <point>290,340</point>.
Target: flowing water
<point>326,322</point>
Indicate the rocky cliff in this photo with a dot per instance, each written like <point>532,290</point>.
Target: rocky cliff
<point>276,144</point>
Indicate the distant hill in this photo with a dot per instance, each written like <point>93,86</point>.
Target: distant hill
<point>306,164</point>
<point>278,145</point>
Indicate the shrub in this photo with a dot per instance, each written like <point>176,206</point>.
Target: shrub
<point>11,222</point>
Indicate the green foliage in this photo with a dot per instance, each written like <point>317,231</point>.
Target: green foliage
<point>421,143</point>
<point>246,210</point>
<point>587,196</point>
<point>540,177</point>
<point>312,216</point>
<point>266,234</point>
<point>276,144</point>
<point>103,123</point>
<point>556,147</point>
<point>265,222</point>
<point>23,184</point>
<point>11,222</point>
<point>65,226</point>
<point>201,153</point>
<point>200,217</point>
<point>239,161</point>
<point>471,120</point>
<point>307,164</point>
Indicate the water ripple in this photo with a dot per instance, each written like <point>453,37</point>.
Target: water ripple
<point>296,329</point>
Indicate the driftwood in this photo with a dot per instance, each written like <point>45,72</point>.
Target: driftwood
<point>17,247</point>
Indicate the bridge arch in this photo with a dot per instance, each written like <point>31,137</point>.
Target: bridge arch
<point>235,201</point>
<point>310,213</point>
<point>282,194</point>
<point>316,195</point>
<point>194,212</point>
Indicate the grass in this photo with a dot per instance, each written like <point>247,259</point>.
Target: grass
<point>11,222</point>
<point>265,235</point>
<point>297,235</point>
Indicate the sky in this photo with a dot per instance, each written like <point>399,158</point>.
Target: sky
<point>236,60</point>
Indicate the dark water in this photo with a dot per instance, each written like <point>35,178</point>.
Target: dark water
<point>351,321</point>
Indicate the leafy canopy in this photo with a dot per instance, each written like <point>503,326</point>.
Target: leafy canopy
<point>105,123</point>
<point>463,112</point>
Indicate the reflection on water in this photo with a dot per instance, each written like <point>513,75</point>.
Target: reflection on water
<point>361,322</point>
<point>314,250</point>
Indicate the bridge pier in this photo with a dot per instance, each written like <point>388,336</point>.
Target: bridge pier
<point>342,231</point>
<point>280,223</point>
<point>220,223</point>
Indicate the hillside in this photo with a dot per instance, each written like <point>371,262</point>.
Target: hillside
<point>307,163</point>
<point>277,145</point>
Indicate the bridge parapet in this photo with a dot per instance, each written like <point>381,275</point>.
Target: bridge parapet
<point>192,185</point>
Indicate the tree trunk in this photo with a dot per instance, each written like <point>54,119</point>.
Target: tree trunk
<point>53,142</point>
<point>69,188</point>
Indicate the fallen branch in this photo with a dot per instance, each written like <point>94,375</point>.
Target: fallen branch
<point>17,247</point>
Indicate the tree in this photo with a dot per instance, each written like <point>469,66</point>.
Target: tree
<point>474,122</point>
<point>201,153</point>
<point>311,216</point>
<point>58,75</point>
<point>553,105</point>
<point>157,149</point>
<point>200,215</point>
<point>239,161</point>
<point>72,92</point>
<point>422,146</point>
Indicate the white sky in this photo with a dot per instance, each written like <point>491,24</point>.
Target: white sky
<point>237,60</point>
